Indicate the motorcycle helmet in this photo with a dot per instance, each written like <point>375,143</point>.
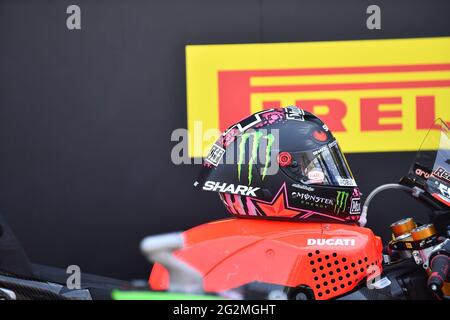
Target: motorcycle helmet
<point>281,163</point>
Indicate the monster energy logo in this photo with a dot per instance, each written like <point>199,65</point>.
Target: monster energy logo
<point>257,137</point>
<point>341,201</point>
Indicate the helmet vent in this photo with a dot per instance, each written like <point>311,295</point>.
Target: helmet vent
<point>335,274</point>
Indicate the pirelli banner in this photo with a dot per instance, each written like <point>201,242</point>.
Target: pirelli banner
<point>375,95</point>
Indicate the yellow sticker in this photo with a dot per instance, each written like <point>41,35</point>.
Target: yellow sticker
<point>375,95</point>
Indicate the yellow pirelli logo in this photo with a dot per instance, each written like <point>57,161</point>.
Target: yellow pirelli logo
<point>375,95</point>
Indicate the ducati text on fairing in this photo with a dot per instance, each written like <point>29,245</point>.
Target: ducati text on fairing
<point>331,242</point>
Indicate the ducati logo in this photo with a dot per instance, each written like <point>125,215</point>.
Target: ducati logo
<point>230,188</point>
<point>331,242</point>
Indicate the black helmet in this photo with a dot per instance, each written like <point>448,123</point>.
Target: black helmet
<point>281,163</point>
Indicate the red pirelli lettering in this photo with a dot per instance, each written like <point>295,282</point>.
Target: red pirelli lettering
<point>235,92</point>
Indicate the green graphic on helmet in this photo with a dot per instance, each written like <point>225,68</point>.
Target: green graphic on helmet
<point>257,137</point>
<point>341,201</point>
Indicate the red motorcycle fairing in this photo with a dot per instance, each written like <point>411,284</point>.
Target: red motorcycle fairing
<point>330,258</point>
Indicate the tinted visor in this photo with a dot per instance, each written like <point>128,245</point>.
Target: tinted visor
<point>324,166</point>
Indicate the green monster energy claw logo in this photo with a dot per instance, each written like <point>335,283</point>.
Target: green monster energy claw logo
<point>257,137</point>
<point>341,201</point>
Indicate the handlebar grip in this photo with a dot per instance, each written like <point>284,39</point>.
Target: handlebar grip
<point>439,272</point>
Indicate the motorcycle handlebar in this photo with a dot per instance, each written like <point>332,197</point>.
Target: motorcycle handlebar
<point>439,272</point>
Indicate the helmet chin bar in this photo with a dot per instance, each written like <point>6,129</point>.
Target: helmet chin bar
<point>363,219</point>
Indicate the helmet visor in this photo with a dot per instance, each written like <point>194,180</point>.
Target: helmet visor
<point>324,166</point>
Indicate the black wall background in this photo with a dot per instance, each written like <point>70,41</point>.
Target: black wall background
<point>86,116</point>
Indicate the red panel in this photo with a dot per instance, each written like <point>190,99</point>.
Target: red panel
<point>233,252</point>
